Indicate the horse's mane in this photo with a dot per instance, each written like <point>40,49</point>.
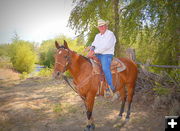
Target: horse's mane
<point>84,57</point>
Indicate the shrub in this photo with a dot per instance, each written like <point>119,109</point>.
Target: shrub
<point>5,62</point>
<point>47,49</point>
<point>23,57</point>
<point>46,52</point>
<point>24,75</point>
<point>46,72</point>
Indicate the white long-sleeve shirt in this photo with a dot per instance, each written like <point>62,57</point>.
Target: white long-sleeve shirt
<point>105,43</point>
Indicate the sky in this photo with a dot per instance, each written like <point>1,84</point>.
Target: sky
<point>34,20</point>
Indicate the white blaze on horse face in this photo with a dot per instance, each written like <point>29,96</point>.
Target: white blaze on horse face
<point>60,52</point>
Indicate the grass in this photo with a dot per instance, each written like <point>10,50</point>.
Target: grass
<point>72,109</point>
<point>58,108</point>
<point>46,72</point>
<point>161,91</point>
<point>64,108</point>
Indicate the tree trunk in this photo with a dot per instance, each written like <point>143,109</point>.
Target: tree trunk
<point>116,26</point>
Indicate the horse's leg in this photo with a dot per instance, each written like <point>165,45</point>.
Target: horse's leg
<point>130,97</point>
<point>89,107</point>
<point>123,98</point>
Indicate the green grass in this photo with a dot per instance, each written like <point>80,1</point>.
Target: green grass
<point>58,108</point>
<point>161,91</point>
<point>64,108</point>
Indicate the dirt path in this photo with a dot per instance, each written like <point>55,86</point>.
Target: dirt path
<point>43,104</point>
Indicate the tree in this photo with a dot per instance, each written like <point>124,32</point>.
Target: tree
<point>116,25</point>
<point>47,49</point>
<point>16,37</point>
<point>85,14</point>
<point>152,27</point>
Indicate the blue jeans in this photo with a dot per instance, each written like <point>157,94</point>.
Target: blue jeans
<point>105,60</point>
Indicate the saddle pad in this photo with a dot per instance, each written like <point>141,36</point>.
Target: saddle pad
<point>116,66</point>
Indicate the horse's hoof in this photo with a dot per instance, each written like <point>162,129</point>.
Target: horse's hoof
<point>90,127</point>
<point>120,117</point>
<point>127,118</point>
<point>93,126</point>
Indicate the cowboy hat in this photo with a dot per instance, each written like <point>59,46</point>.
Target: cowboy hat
<point>102,22</point>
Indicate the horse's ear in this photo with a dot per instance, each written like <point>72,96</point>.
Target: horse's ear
<point>66,45</point>
<point>57,45</point>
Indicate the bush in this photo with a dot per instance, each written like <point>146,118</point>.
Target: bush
<point>23,57</point>
<point>46,52</point>
<point>47,49</point>
<point>46,72</point>
<point>5,62</point>
<point>24,75</point>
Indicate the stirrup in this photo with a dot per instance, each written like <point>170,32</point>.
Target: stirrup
<point>108,93</point>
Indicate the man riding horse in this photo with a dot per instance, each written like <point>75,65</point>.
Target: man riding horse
<point>87,82</point>
<point>103,48</point>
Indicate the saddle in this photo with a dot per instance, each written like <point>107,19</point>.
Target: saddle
<point>116,67</point>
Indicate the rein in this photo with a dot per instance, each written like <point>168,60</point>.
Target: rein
<point>66,79</point>
<point>74,89</point>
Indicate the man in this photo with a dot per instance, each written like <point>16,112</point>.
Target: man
<point>103,47</point>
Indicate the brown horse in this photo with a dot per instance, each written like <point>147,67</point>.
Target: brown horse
<point>87,83</point>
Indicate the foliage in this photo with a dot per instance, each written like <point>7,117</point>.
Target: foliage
<point>151,26</point>
<point>23,56</point>
<point>24,75</point>
<point>45,72</point>
<point>46,52</point>
<point>47,49</point>
<point>4,56</point>
<point>85,14</point>
<point>4,49</point>
<point>161,91</point>
<point>5,62</point>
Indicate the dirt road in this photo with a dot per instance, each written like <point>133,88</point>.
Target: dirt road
<point>43,104</point>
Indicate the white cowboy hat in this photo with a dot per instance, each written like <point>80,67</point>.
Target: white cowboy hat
<point>102,22</point>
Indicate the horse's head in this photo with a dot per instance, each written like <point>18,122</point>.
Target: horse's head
<point>62,59</point>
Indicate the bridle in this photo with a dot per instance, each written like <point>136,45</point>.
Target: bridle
<point>67,58</point>
<point>65,66</point>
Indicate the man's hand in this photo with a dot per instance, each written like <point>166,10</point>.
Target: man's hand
<point>90,54</point>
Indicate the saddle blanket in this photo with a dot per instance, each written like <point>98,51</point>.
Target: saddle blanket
<point>116,66</point>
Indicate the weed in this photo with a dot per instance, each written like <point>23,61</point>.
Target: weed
<point>161,91</point>
<point>58,108</point>
<point>24,75</point>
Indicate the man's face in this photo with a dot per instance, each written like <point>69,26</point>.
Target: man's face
<point>102,29</point>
